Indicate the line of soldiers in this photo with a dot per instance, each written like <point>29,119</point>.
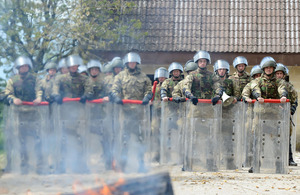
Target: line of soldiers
<point>124,80</point>
<point>269,80</point>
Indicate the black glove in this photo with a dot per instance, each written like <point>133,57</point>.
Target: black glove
<point>177,99</point>
<point>293,110</point>
<point>58,99</point>
<point>49,99</point>
<point>83,99</point>
<point>118,100</point>
<point>215,100</point>
<point>146,99</point>
<point>194,100</point>
<point>244,100</point>
<point>255,95</point>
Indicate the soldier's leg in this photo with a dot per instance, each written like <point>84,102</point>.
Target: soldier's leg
<point>291,160</point>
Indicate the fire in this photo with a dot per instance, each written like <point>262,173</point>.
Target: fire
<point>104,190</point>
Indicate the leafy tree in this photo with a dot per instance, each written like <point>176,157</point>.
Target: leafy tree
<point>47,30</point>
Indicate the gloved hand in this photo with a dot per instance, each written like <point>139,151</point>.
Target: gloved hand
<point>58,99</point>
<point>146,99</point>
<point>83,99</point>
<point>177,99</point>
<point>194,100</point>
<point>215,100</point>
<point>293,110</point>
<point>118,100</point>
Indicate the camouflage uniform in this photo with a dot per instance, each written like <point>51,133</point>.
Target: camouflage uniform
<point>239,82</point>
<point>44,88</point>
<point>22,88</point>
<point>71,86</point>
<point>202,84</point>
<point>167,87</point>
<point>132,85</point>
<point>228,86</point>
<point>108,82</point>
<point>96,89</point>
<point>177,92</point>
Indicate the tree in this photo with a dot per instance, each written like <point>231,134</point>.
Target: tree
<point>47,30</point>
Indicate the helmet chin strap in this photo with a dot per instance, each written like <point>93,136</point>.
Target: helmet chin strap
<point>241,71</point>
<point>94,76</point>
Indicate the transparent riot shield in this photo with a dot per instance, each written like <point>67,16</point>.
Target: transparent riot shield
<point>271,137</point>
<point>132,144</point>
<point>202,136</point>
<point>293,135</point>
<point>231,136</point>
<point>248,135</point>
<point>155,130</point>
<point>25,130</point>
<point>172,128</point>
<point>71,130</point>
<point>99,136</point>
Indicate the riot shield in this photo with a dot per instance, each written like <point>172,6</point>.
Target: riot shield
<point>25,131</point>
<point>132,130</point>
<point>99,136</point>
<point>248,135</point>
<point>271,137</point>
<point>231,136</point>
<point>172,128</point>
<point>71,130</point>
<point>155,130</point>
<point>202,133</point>
<point>293,135</point>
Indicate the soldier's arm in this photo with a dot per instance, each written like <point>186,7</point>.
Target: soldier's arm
<point>39,89</point>
<point>256,91</point>
<point>56,86</point>
<point>117,86</point>
<point>88,89</point>
<point>164,89</point>
<point>177,90</point>
<point>282,91</point>
<point>217,86</point>
<point>187,85</point>
<point>9,91</point>
<point>246,93</point>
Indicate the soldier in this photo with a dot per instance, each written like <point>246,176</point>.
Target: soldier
<point>161,74</point>
<point>177,94</point>
<point>202,83</point>
<point>95,81</point>
<point>221,68</point>
<point>240,78</point>
<point>113,68</point>
<point>132,84</point>
<point>247,92</point>
<point>281,72</point>
<point>82,69</point>
<point>45,86</point>
<point>62,66</point>
<point>22,86</point>
<point>175,70</point>
<point>72,84</point>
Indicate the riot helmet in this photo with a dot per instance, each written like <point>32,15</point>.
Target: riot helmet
<point>94,64</point>
<point>267,62</point>
<point>161,72</point>
<point>202,54</point>
<point>82,69</point>
<point>221,64</point>
<point>50,65</point>
<point>281,67</point>
<point>239,60</point>
<point>190,66</point>
<point>107,68</point>
<point>117,62</point>
<point>62,63</point>
<point>74,60</point>
<point>132,57</point>
<point>256,70</point>
<point>23,60</point>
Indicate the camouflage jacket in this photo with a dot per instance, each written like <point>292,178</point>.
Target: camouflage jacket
<point>292,94</point>
<point>44,88</point>
<point>157,92</point>
<point>202,84</point>
<point>108,82</point>
<point>167,87</point>
<point>71,86</point>
<point>247,91</point>
<point>132,85</point>
<point>177,92</point>
<point>228,86</point>
<point>269,88</point>
<point>22,88</point>
<point>239,82</point>
<point>95,88</point>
